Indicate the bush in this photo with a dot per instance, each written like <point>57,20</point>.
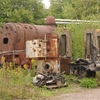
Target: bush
<point>89,82</point>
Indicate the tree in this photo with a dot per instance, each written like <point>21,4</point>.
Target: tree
<point>21,11</point>
<point>56,8</point>
<point>75,9</point>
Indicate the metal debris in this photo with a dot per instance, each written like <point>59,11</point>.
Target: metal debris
<point>51,80</point>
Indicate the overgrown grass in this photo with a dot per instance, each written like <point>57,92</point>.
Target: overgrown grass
<point>17,84</point>
<point>89,83</point>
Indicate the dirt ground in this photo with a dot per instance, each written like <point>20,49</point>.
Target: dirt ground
<point>83,94</point>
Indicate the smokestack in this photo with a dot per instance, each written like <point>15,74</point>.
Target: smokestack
<point>51,21</point>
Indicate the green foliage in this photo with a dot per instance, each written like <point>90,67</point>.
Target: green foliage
<point>78,31</point>
<point>13,83</point>
<point>75,9</point>
<point>30,11</point>
<point>71,78</point>
<point>89,83</point>
<point>17,84</point>
<point>77,41</point>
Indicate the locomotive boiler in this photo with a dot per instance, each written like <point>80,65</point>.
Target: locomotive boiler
<point>44,40</point>
<point>13,37</point>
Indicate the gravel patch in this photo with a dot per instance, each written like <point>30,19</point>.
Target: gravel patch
<point>85,94</point>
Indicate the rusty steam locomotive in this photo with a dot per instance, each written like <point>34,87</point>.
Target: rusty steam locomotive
<point>19,43</point>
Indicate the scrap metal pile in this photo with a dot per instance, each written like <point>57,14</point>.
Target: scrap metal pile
<point>51,80</point>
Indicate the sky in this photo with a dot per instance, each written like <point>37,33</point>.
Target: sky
<point>46,3</point>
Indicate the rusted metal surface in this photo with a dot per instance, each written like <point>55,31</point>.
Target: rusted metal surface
<point>50,20</point>
<point>7,38</point>
<point>47,47</point>
<point>13,37</point>
<point>65,65</point>
<point>46,52</point>
<point>54,65</point>
<point>20,42</point>
<point>50,65</point>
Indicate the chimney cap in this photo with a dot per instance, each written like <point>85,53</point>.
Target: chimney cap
<point>50,20</point>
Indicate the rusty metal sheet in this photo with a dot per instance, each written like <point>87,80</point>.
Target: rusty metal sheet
<point>20,39</point>
<point>30,31</point>
<point>8,37</point>
<point>54,65</point>
<point>64,65</point>
<point>37,48</point>
<point>52,48</point>
<point>34,48</point>
<point>15,35</point>
<point>48,65</point>
<point>24,32</point>
<point>42,30</point>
